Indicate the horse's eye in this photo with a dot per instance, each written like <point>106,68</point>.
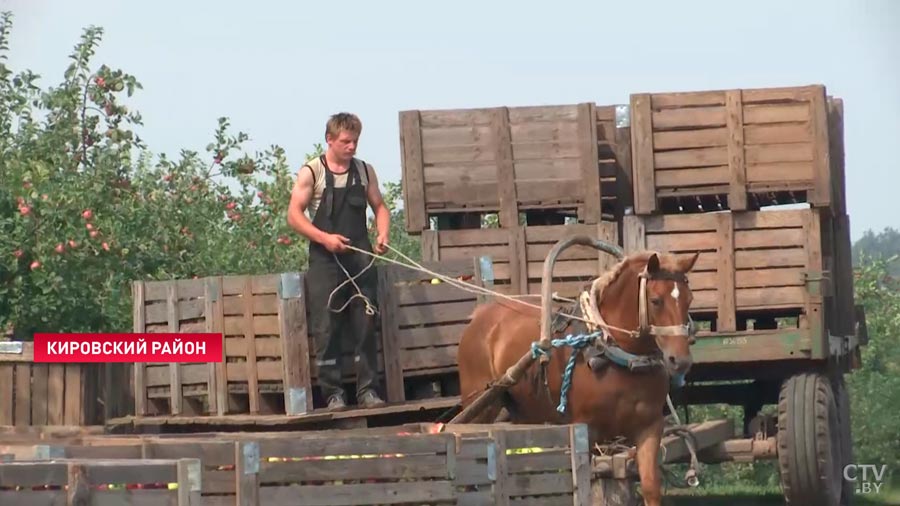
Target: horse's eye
<point>656,301</point>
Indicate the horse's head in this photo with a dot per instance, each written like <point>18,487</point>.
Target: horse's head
<point>647,298</point>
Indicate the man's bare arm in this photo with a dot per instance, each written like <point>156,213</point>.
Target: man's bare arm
<point>382,213</point>
<point>301,195</point>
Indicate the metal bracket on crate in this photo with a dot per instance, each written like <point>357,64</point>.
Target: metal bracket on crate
<point>194,471</point>
<point>250,453</point>
<point>290,285</point>
<point>492,461</point>
<point>582,442</point>
<point>623,116</point>
<point>486,273</point>
<point>11,347</point>
<point>297,401</point>
<point>47,452</point>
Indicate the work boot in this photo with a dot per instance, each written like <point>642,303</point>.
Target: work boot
<point>336,401</point>
<point>369,399</point>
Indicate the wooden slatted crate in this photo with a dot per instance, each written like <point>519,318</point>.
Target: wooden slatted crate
<point>513,161</point>
<point>263,322</point>
<point>33,394</point>
<point>730,149</point>
<point>754,266</point>
<point>462,464</point>
<point>86,481</point>
<point>517,254</point>
<point>533,464</point>
<point>422,323</point>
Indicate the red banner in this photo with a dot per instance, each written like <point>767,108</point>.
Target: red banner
<point>145,347</point>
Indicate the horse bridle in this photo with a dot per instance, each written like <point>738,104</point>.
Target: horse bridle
<point>645,327</point>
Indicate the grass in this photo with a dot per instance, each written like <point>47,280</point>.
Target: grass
<point>759,496</point>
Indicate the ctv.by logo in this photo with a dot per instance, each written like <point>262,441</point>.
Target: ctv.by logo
<point>863,474</point>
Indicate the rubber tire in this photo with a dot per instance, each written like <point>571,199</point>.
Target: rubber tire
<point>842,399</point>
<point>809,447</point>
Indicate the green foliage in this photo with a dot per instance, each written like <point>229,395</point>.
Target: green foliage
<point>875,388</point>
<point>86,207</point>
<point>884,244</point>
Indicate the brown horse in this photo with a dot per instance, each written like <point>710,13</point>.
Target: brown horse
<point>642,303</point>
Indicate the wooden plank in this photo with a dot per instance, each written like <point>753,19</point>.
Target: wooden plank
<point>354,444</point>
<point>779,113</point>
<point>218,316</point>
<point>176,396</point>
<point>518,262</point>
<point>681,178</point>
<point>75,394</point>
<point>590,193</point>
<point>642,124</point>
<point>350,495</point>
<point>687,99</point>
<point>836,156</point>
<point>421,293</point>
<point>7,393</point>
<point>408,467</point>
<point>295,351</point>
<point>209,302</point>
<point>39,384</point>
<point>691,158</point>
<point>246,479</point>
<point>411,124</point>
<point>689,117</point>
<point>624,172</point>
<point>428,358</point>
<point>506,177</point>
<point>737,194</point>
<point>23,395</point>
<point>726,312</point>
<point>261,284</point>
<point>580,465</point>
<point>683,139</point>
<point>822,173</point>
<point>437,313</point>
<point>502,484</point>
<point>55,394</point>
<point>390,336</point>
<point>140,385</point>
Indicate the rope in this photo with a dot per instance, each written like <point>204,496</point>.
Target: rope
<point>577,343</point>
<point>471,288</point>
<point>370,308</point>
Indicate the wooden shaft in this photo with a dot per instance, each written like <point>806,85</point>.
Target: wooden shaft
<point>490,395</point>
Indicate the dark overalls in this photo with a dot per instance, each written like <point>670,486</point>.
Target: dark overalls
<point>342,211</point>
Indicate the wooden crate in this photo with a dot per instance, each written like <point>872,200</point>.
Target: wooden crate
<point>87,481</point>
<point>533,464</point>
<point>422,324</point>
<point>33,394</point>
<point>730,149</point>
<point>517,254</point>
<point>512,160</point>
<point>464,464</point>
<point>753,265</point>
<point>271,375</point>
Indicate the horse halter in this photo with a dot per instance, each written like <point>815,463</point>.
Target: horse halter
<point>645,327</point>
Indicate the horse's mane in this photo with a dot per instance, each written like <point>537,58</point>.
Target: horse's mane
<point>600,284</point>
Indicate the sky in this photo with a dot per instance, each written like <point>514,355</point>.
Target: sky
<point>277,70</point>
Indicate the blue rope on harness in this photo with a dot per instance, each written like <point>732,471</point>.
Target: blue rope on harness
<point>577,342</point>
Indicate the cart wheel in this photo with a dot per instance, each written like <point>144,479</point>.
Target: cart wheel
<point>809,445</point>
<point>842,399</point>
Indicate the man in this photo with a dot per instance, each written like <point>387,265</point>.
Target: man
<point>334,189</point>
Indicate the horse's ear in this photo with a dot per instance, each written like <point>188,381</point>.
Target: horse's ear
<point>653,264</point>
<point>686,263</point>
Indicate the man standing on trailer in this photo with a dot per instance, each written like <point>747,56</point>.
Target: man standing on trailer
<point>334,189</point>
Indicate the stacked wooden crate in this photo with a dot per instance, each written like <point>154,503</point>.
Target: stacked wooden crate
<point>712,170</point>
<point>508,182</point>
<point>262,319</point>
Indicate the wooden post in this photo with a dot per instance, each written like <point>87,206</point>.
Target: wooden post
<point>642,154</point>
<point>506,175</point>
<point>78,493</point>
<point>246,473</point>
<point>588,159</point>
<point>393,374</point>
<point>413,172</point>
<point>189,482</point>
<point>497,450</point>
<point>822,191</point>
<point>250,345</point>
<point>726,317</point>
<point>579,443</point>
<point>737,194</point>
<point>210,299</point>
<point>140,368</point>
<point>176,396</point>
<point>294,344</point>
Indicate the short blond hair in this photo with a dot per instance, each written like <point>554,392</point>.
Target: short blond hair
<point>343,121</point>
